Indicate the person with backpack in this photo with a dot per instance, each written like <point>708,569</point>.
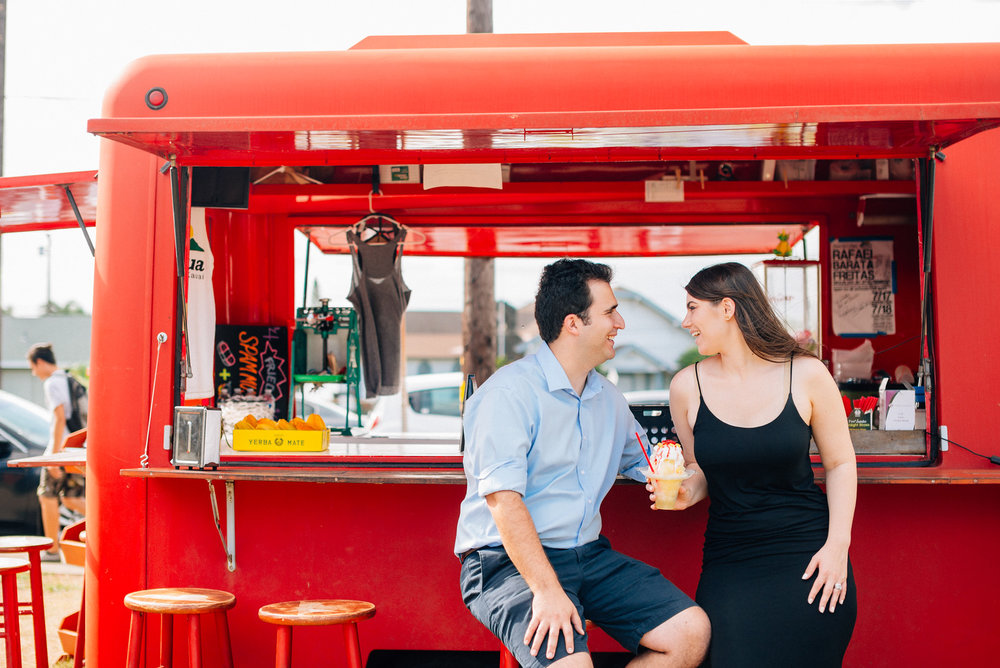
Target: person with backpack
<point>66,398</point>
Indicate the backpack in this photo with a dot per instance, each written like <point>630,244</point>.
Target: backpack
<point>78,400</point>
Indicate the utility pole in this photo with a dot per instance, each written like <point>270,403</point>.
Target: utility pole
<point>3,96</point>
<point>479,322</point>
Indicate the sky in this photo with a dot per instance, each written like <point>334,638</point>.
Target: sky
<point>63,54</point>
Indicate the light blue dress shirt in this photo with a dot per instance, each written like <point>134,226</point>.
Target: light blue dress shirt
<point>528,431</point>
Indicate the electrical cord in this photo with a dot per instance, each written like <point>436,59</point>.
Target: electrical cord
<point>896,345</point>
<point>993,458</point>
<point>161,338</point>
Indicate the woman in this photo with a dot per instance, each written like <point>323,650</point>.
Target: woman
<point>776,581</point>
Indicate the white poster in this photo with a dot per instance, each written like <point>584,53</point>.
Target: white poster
<point>863,280</point>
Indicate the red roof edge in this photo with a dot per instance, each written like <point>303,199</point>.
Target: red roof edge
<point>534,40</point>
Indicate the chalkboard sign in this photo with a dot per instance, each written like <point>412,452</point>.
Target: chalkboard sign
<point>252,360</point>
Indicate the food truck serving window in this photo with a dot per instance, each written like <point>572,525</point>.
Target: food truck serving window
<point>850,292</point>
<point>487,162</point>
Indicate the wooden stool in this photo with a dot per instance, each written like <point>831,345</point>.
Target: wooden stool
<point>507,659</point>
<point>72,628</point>
<point>316,613</point>
<point>33,546</point>
<point>169,602</point>
<point>9,568</point>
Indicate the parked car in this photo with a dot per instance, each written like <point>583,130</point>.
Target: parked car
<point>661,396</point>
<point>333,414</point>
<point>24,432</point>
<point>432,406</point>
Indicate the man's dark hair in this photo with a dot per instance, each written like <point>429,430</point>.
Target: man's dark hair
<point>563,290</point>
<point>41,351</point>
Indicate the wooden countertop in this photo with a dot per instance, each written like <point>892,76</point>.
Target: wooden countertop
<point>71,458</point>
<point>452,473</point>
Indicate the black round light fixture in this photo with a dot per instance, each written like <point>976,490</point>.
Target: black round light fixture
<point>156,98</point>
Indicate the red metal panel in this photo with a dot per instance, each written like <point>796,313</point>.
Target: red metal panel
<point>541,240</point>
<point>134,287</point>
<point>323,107</point>
<point>492,40</point>
<point>39,202</point>
<point>966,300</point>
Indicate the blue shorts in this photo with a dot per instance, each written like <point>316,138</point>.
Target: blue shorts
<point>623,596</point>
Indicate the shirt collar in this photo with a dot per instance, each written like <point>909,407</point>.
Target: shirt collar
<point>556,378</point>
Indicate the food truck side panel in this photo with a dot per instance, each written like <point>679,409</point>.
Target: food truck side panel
<point>966,271</point>
<point>133,301</point>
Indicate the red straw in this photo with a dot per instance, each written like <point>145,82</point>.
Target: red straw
<point>643,447</point>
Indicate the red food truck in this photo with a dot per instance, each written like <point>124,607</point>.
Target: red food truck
<point>597,145</point>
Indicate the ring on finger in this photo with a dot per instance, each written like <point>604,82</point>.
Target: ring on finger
<point>838,586</point>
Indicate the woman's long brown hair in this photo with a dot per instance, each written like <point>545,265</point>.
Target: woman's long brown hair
<point>762,330</point>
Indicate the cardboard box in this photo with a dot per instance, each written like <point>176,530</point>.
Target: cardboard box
<point>897,409</point>
<point>271,440</point>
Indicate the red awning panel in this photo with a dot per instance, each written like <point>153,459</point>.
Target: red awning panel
<point>543,100</point>
<point>590,240</point>
<point>40,202</point>
<point>489,98</point>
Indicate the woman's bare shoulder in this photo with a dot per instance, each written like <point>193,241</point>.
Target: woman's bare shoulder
<point>812,370</point>
<point>683,383</point>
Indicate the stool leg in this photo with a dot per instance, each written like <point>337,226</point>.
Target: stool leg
<point>166,640</point>
<point>353,645</point>
<point>78,650</point>
<point>283,648</point>
<point>38,610</point>
<point>194,640</point>
<point>225,645</point>
<point>135,639</point>
<point>11,624</point>
<point>507,659</point>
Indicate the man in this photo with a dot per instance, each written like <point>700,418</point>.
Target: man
<point>55,485</point>
<point>545,438</point>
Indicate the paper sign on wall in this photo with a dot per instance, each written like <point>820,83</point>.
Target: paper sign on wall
<point>863,285</point>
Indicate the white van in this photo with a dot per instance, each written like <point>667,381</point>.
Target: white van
<point>432,406</point>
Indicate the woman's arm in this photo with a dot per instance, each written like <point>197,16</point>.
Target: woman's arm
<point>684,401</point>
<point>833,439</point>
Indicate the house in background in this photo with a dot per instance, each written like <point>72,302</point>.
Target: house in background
<point>70,339</point>
<point>647,350</point>
<point>433,342</point>
<point>434,339</point>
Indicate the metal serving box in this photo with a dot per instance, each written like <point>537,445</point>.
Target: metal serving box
<point>655,419</point>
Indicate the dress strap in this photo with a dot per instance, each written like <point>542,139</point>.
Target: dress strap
<point>790,374</point>
<point>697,379</point>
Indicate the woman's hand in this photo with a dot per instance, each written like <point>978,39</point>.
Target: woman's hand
<point>830,567</point>
<point>685,496</point>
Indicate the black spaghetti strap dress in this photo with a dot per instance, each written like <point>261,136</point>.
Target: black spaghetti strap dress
<point>766,520</point>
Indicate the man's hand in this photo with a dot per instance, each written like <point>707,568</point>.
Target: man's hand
<point>552,613</point>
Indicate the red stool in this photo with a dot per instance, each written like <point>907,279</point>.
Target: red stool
<point>9,568</point>
<point>33,546</point>
<point>507,659</point>
<point>169,602</point>
<point>316,613</point>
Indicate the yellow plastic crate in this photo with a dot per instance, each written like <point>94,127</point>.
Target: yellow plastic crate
<point>271,440</point>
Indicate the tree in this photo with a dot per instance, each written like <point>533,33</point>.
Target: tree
<point>69,308</point>
<point>689,357</point>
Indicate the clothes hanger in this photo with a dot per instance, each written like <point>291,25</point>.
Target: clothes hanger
<point>377,228</point>
<point>289,173</point>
